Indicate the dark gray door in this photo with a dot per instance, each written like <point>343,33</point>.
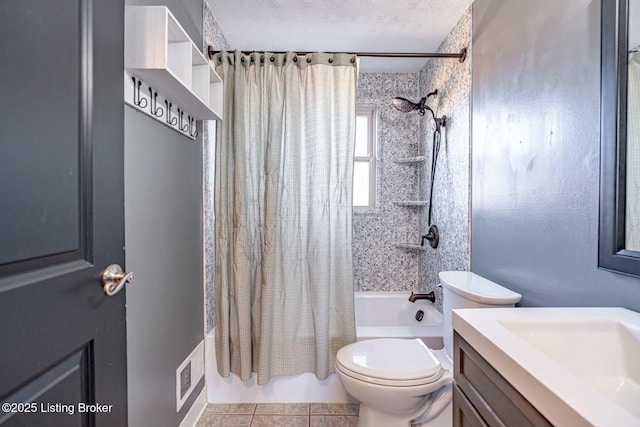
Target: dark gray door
<point>62,340</point>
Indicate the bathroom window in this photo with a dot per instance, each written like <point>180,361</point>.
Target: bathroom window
<point>364,167</point>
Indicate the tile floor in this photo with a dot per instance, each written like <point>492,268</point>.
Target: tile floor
<point>280,415</point>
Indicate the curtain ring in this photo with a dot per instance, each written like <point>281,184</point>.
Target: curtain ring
<point>242,59</point>
<point>353,60</point>
<point>272,59</point>
<point>295,59</point>
<point>330,60</point>
<point>261,58</point>
<point>308,60</point>
<point>253,59</point>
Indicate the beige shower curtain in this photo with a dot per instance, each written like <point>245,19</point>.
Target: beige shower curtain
<point>283,212</point>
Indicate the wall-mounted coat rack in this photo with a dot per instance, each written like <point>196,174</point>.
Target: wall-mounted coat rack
<point>166,75</point>
<point>148,101</point>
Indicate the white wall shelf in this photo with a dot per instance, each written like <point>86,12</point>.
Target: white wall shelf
<point>412,203</point>
<point>411,160</point>
<point>410,247</point>
<point>159,52</point>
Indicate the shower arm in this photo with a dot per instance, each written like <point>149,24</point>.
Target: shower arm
<point>440,121</point>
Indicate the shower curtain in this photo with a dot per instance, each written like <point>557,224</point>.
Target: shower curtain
<point>632,216</point>
<point>283,213</point>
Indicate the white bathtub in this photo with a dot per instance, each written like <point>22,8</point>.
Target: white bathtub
<point>378,315</point>
<point>392,315</point>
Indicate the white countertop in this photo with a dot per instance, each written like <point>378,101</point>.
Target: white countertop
<point>561,396</point>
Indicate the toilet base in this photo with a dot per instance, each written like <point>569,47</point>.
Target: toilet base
<point>371,417</point>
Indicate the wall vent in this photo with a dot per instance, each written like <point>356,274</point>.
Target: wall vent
<point>189,374</point>
<point>185,380</point>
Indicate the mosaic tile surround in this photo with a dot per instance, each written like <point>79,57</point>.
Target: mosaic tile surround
<point>378,264</point>
<point>452,185</point>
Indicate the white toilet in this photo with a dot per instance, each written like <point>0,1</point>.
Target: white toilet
<point>399,382</point>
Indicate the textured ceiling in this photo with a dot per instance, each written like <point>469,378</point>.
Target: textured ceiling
<point>341,25</point>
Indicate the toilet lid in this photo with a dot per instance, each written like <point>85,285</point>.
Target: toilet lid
<point>390,359</point>
<point>476,288</point>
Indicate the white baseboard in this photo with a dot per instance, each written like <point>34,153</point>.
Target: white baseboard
<point>192,417</point>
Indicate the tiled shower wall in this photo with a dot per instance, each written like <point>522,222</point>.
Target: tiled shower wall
<point>452,186</point>
<point>378,264</point>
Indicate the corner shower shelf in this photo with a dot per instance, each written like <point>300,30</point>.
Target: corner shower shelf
<point>410,246</point>
<point>159,52</point>
<point>411,160</point>
<point>412,203</point>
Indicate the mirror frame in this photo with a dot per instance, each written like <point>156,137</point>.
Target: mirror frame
<point>612,254</point>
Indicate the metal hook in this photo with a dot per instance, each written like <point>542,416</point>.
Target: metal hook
<point>138,100</point>
<point>193,131</point>
<point>153,107</point>
<point>184,128</point>
<point>170,121</point>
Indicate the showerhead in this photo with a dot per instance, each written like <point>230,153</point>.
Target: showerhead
<point>406,106</point>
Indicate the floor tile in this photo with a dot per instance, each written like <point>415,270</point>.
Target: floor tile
<point>280,421</point>
<point>335,408</point>
<point>224,420</point>
<point>230,408</point>
<point>280,415</point>
<point>283,408</point>
<point>334,421</point>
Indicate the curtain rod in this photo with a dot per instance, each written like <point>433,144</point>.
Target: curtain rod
<point>461,56</point>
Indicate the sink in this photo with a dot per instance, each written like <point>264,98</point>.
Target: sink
<point>578,366</point>
<point>603,353</point>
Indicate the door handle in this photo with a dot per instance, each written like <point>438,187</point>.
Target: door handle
<point>114,279</point>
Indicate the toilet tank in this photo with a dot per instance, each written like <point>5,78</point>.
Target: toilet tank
<point>464,289</point>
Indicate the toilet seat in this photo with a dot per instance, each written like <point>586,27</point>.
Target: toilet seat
<point>390,362</point>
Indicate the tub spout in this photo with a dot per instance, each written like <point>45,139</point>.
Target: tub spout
<point>431,296</point>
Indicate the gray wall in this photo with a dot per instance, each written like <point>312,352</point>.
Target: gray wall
<point>163,233</point>
<point>535,154</point>
<point>451,190</point>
